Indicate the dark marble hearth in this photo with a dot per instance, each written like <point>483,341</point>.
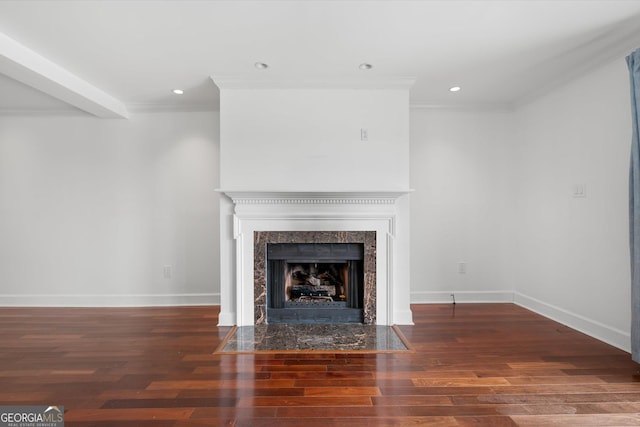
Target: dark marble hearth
<point>314,337</point>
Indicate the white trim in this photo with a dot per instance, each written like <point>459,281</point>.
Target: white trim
<point>403,317</point>
<point>139,300</point>
<point>461,296</point>
<point>242,197</point>
<point>593,328</point>
<point>248,81</point>
<point>464,108</point>
<point>34,70</point>
<point>195,107</point>
<point>226,318</point>
<point>314,211</point>
<point>133,109</point>
<point>48,111</point>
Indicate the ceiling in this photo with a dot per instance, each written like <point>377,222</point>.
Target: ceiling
<point>113,58</point>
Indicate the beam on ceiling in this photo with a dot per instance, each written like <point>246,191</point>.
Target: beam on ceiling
<point>26,66</point>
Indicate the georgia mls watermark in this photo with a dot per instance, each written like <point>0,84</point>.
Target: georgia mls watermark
<point>31,416</point>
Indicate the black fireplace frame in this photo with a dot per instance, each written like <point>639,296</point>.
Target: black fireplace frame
<point>278,255</point>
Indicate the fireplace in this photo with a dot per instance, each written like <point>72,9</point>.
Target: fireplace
<point>315,282</point>
<point>256,220</point>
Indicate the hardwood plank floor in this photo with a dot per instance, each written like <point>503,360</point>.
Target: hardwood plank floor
<point>474,365</point>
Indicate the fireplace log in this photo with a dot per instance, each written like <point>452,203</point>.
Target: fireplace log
<point>298,291</point>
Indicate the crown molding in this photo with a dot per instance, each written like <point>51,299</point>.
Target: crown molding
<point>463,108</point>
<point>251,82</point>
<point>170,108</point>
<point>43,112</point>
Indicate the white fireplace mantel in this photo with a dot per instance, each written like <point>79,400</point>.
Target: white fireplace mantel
<point>242,197</point>
<point>385,212</point>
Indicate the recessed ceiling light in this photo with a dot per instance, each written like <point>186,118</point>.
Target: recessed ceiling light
<point>261,65</point>
<point>455,89</point>
<point>365,66</point>
<point>178,91</point>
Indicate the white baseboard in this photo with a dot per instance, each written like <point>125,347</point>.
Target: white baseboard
<point>108,300</point>
<point>595,329</point>
<point>607,334</point>
<point>461,296</point>
<point>404,317</point>
<point>226,318</point>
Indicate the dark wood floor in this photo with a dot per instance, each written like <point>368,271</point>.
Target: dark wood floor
<point>475,365</point>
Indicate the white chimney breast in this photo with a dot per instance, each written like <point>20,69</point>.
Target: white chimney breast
<point>305,139</point>
<point>309,139</point>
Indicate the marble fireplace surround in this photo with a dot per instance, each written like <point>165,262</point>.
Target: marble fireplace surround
<point>263,238</point>
<point>333,216</point>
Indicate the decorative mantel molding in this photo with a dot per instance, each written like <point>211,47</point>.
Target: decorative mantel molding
<point>314,197</point>
<point>248,212</point>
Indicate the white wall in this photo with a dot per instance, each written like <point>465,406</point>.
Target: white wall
<point>92,210</point>
<point>461,170</point>
<point>309,139</point>
<point>572,256</point>
<point>495,190</point>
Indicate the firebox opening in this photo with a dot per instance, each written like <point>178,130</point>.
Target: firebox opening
<point>315,283</point>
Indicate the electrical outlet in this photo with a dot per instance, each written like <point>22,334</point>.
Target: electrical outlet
<point>462,268</point>
<point>166,271</point>
<point>579,191</point>
<point>364,134</point>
